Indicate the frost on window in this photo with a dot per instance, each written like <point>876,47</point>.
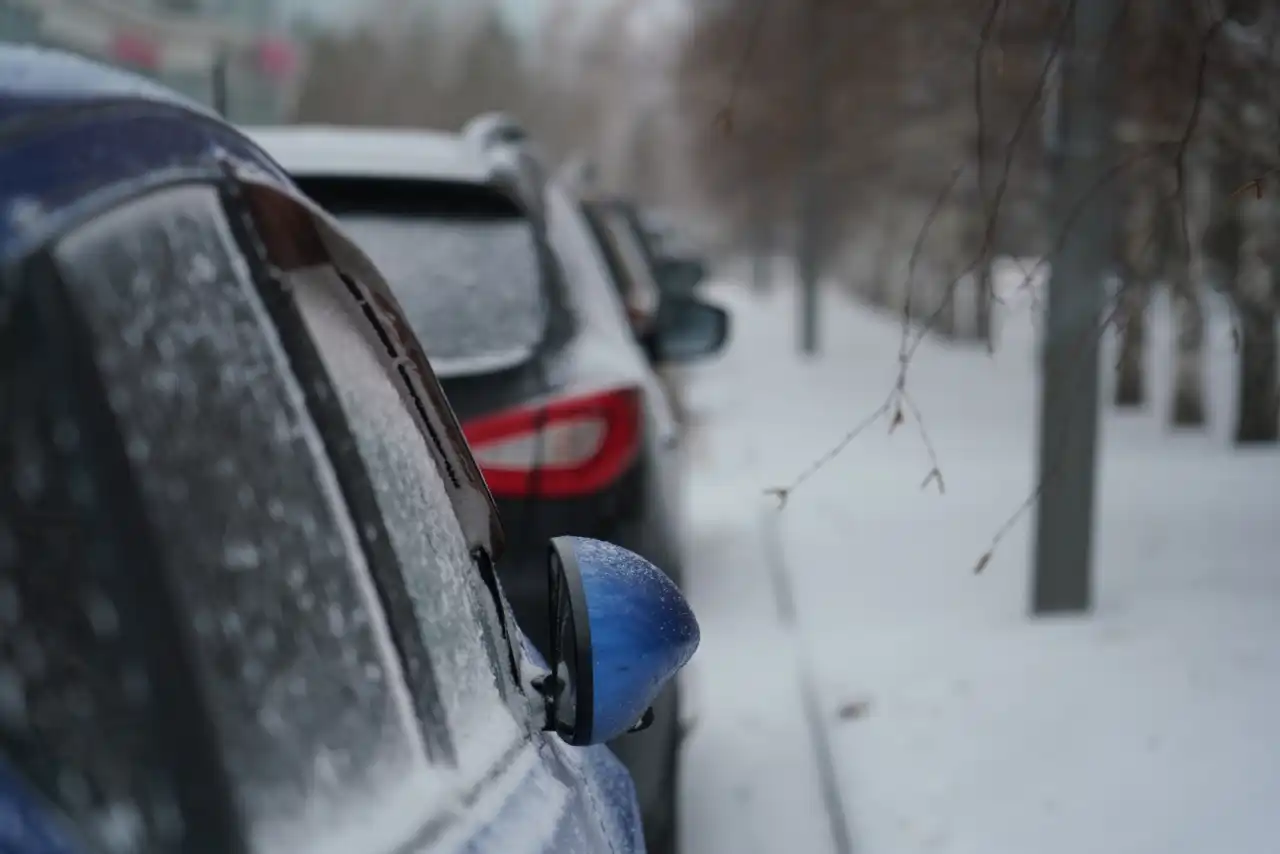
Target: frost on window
<point>260,553</point>
<point>441,580</point>
<point>470,288</point>
<point>77,718</point>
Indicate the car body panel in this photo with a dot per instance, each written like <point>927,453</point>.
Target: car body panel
<point>355,152</point>
<point>78,140</point>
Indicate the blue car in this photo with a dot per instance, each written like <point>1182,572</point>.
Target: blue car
<point>247,588</point>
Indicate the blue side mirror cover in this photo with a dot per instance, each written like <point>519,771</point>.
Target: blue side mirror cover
<point>632,631</point>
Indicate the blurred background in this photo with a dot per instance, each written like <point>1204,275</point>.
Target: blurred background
<point>644,87</point>
<point>829,129</point>
<point>1004,287</point>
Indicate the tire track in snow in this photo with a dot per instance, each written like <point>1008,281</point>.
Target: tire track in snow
<point>788,617</point>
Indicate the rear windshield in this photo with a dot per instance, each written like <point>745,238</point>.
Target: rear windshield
<point>461,259</point>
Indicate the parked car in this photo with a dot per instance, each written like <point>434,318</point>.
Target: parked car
<point>247,589</point>
<point>660,290</point>
<point>501,278</point>
<point>672,236</point>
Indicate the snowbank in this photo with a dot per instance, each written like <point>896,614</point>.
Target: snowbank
<point>958,724</point>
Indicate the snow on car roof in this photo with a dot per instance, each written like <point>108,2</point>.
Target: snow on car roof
<point>310,150</point>
<point>32,74</point>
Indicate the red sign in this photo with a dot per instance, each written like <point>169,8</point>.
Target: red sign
<point>135,51</point>
<point>277,58</point>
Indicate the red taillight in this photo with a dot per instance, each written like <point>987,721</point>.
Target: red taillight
<point>566,447</point>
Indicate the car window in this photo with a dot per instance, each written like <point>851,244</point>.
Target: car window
<point>585,268</point>
<point>642,295</point>
<point>462,263</point>
<point>617,270</point>
<point>649,241</point>
<point>301,681</point>
<point>468,286</point>
<point>456,615</point>
<point>74,659</point>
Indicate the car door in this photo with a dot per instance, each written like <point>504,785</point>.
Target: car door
<point>289,726</point>
<point>511,788</point>
<point>262,696</point>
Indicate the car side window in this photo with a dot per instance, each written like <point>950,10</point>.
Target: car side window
<point>74,661</point>
<point>643,293</point>
<point>455,613</point>
<point>614,261</point>
<point>586,270</point>
<point>301,682</point>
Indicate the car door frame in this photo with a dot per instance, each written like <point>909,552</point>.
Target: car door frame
<point>288,231</point>
<point>317,239</point>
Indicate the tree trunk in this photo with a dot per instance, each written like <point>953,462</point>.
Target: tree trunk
<point>985,292</point>
<point>972,296</point>
<point>1131,387</point>
<point>1188,408</point>
<point>981,252</point>
<point>1136,268</point>
<point>1258,404</point>
<point>982,223</point>
<point>1188,378</point>
<point>760,235</point>
<point>941,313</point>
<point>759,268</point>
<point>1223,232</point>
<point>887,264</point>
<point>948,250</point>
<point>1258,415</point>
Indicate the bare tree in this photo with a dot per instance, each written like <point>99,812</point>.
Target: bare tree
<point>1142,248</point>
<point>947,84</point>
<point>408,70</point>
<point>1241,241</point>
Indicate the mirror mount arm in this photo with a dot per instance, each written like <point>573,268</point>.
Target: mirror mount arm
<point>646,721</point>
<point>548,686</point>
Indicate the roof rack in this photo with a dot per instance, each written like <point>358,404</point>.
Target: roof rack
<point>519,171</point>
<point>512,154</point>
<point>495,128</point>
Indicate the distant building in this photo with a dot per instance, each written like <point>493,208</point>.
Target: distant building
<point>181,43</point>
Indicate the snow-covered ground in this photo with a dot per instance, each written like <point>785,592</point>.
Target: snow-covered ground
<point>957,724</point>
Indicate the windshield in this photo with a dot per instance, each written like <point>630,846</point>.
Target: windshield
<point>462,261</point>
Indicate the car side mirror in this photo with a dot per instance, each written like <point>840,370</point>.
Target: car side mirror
<point>689,329</point>
<point>620,629</point>
<point>678,277</point>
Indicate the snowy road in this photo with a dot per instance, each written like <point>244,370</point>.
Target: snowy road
<point>956,725</point>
